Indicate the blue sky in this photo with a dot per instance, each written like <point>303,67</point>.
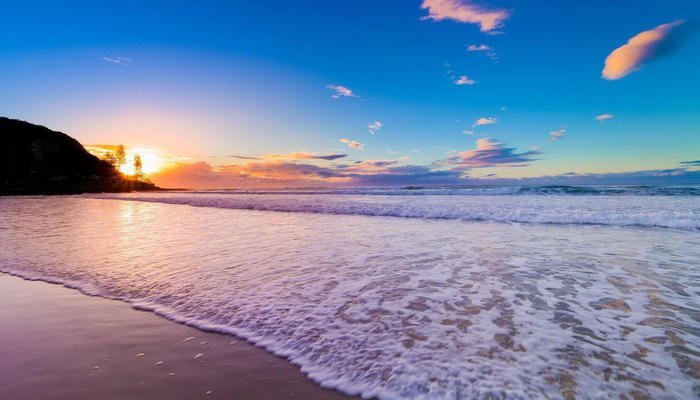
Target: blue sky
<point>199,83</point>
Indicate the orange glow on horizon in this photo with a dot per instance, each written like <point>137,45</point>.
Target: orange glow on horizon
<point>151,159</point>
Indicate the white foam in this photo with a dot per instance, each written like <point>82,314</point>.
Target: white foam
<point>680,212</point>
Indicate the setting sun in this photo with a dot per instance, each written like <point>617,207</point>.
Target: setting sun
<point>151,159</point>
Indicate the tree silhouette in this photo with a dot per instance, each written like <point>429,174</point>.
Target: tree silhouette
<point>110,158</point>
<point>120,156</point>
<point>138,167</point>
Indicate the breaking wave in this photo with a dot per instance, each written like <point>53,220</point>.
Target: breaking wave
<point>678,212</point>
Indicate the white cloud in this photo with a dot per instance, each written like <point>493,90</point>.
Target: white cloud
<point>353,144</point>
<point>126,61</point>
<point>341,91</point>
<point>604,117</point>
<point>374,127</point>
<point>556,135</point>
<point>464,11</point>
<point>480,47</point>
<point>468,132</point>
<point>464,80</point>
<point>485,121</point>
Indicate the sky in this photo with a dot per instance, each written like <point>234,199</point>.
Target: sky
<point>366,93</point>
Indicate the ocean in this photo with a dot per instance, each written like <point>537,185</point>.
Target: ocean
<point>410,293</point>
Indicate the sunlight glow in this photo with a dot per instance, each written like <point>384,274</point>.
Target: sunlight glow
<point>151,159</point>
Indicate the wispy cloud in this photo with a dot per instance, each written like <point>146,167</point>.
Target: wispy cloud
<point>464,11</point>
<point>468,132</point>
<point>354,144</point>
<point>490,154</point>
<point>299,155</point>
<point>642,47</point>
<point>604,117</point>
<point>485,121</point>
<point>464,80</point>
<point>374,127</point>
<point>341,91</point>
<point>694,163</point>
<point>556,135</point>
<point>125,61</point>
<point>484,49</point>
<point>480,47</point>
<point>244,157</point>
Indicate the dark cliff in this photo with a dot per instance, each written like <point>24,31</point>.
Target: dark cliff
<point>37,160</point>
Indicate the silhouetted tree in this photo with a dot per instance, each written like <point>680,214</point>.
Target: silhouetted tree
<point>120,156</point>
<point>138,167</point>
<point>110,158</point>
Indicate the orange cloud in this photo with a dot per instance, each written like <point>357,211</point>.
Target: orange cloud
<point>485,121</point>
<point>354,144</point>
<point>629,57</point>
<point>201,175</point>
<point>464,11</point>
<point>273,173</point>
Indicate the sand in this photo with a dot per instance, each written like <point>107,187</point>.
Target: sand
<point>57,343</point>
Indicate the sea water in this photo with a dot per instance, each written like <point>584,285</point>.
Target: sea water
<point>458,293</point>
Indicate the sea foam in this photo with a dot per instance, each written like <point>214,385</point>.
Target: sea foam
<point>680,212</point>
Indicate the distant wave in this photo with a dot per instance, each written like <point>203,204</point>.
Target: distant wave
<point>679,212</point>
<point>671,190</point>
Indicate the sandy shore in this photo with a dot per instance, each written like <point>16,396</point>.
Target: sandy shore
<point>57,343</point>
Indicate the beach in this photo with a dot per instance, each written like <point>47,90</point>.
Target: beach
<point>57,343</point>
<point>389,294</point>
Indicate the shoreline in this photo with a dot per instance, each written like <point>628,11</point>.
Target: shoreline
<point>61,343</point>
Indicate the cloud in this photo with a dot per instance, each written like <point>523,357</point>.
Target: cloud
<point>694,163</point>
<point>464,11</point>
<point>245,158</point>
<point>341,91</point>
<point>642,47</point>
<point>481,47</point>
<point>330,157</point>
<point>289,174</point>
<point>353,144</point>
<point>374,127</point>
<point>300,156</point>
<point>485,121</point>
<point>556,135</point>
<point>464,80</point>
<point>388,173</point>
<point>468,132</point>
<point>486,50</point>
<point>604,117</point>
<point>126,61</point>
<point>252,174</point>
<point>489,154</point>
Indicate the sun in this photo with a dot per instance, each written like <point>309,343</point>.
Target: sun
<point>151,160</point>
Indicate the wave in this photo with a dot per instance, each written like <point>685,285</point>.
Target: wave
<point>647,211</point>
<point>674,190</point>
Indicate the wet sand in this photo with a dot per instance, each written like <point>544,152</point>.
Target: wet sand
<point>57,343</point>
